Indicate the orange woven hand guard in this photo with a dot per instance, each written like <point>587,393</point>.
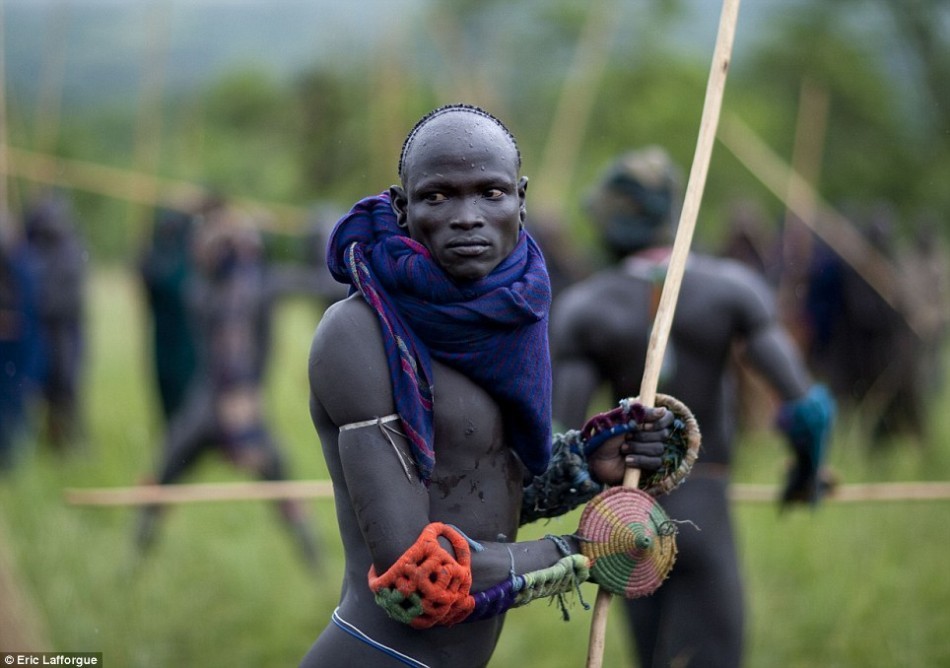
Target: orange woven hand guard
<point>428,585</point>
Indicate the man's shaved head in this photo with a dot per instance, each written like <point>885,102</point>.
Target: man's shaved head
<point>441,111</point>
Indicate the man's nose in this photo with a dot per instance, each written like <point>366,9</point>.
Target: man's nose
<point>468,213</point>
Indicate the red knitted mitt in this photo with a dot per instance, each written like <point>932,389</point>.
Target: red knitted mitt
<point>428,585</point>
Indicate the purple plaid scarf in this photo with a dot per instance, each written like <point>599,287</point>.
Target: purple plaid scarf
<point>493,330</point>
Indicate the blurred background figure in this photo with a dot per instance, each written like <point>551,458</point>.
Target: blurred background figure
<point>868,348</point>
<point>926,266</point>
<point>600,331</point>
<point>58,260</point>
<point>166,268</point>
<point>565,260</point>
<point>314,276</point>
<point>749,239</point>
<point>21,355</point>
<point>229,296</point>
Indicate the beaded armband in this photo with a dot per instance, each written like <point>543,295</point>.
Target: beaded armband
<point>565,485</point>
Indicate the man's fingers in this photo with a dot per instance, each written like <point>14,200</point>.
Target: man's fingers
<point>642,448</point>
<point>643,463</point>
<point>648,436</point>
<point>656,414</point>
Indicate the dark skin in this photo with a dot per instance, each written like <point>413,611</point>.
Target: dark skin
<point>599,336</point>
<point>463,199</point>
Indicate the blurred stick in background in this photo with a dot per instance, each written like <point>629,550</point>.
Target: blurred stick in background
<point>139,187</point>
<point>833,228</point>
<point>5,208</point>
<point>797,244</point>
<point>575,104</point>
<point>323,489</point>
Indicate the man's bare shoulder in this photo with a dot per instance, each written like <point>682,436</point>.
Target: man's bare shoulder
<point>348,366</point>
<point>343,315</point>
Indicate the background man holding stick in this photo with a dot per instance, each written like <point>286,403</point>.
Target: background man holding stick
<point>600,330</point>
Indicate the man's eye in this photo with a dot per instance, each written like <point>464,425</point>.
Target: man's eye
<point>494,193</point>
<point>434,197</point>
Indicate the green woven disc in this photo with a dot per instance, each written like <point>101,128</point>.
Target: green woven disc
<point>630,541</point>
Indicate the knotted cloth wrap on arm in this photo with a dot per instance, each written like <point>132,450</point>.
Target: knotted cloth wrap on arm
<point>494,330</point>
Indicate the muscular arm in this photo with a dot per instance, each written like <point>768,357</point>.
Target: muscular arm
<point>349,378</point>
<point>771,351</point>
<point>807,411</point>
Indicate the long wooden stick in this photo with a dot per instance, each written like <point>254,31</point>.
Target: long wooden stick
<point>853,493</point>
<point>833,228</point>
<point>144,495</point>
<point>139,187</point>
<point>810,130</point>
<point>5,207</point>
<point>576,102</point>
<point>715,87</point>
<point>182,494</point>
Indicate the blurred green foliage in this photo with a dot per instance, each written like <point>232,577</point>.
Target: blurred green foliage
<point>332,131</point>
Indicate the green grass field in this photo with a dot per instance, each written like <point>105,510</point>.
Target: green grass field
<point>847,585</point>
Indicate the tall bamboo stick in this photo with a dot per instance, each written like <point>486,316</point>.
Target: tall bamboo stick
<point>127,184</point>
<point>183,494</point>
<point>575,103</point>
<point>833,228</point>
<point>659,335</point>
<point>5,209</point>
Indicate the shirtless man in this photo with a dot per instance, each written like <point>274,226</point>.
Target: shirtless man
<point>599,335</point>
<point>430,391</point>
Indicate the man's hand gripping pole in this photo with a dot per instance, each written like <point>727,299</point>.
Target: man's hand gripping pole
<point>659,335</point>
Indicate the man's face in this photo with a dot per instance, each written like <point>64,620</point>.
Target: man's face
<point>461,196</point>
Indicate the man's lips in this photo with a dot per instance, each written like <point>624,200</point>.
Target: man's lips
<point>469,247</point>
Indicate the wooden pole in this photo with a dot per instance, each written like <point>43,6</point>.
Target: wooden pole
<point>5,208</point>
<point>126,184</point>
<point>853,493</point>
<point>575,103</point>
<point>659,335</point>
<point>144,495</point>
<point>146,156</point>
<point>183,494</point>
<point>810,128</point>
<point>463,82</point>
<point>833,228</point>
<point>52,76</point>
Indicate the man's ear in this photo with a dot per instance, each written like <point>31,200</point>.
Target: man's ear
<point>399,201</point>
<point>522,196</point>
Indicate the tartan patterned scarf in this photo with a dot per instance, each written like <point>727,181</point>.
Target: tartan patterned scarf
<point>494,330</point>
